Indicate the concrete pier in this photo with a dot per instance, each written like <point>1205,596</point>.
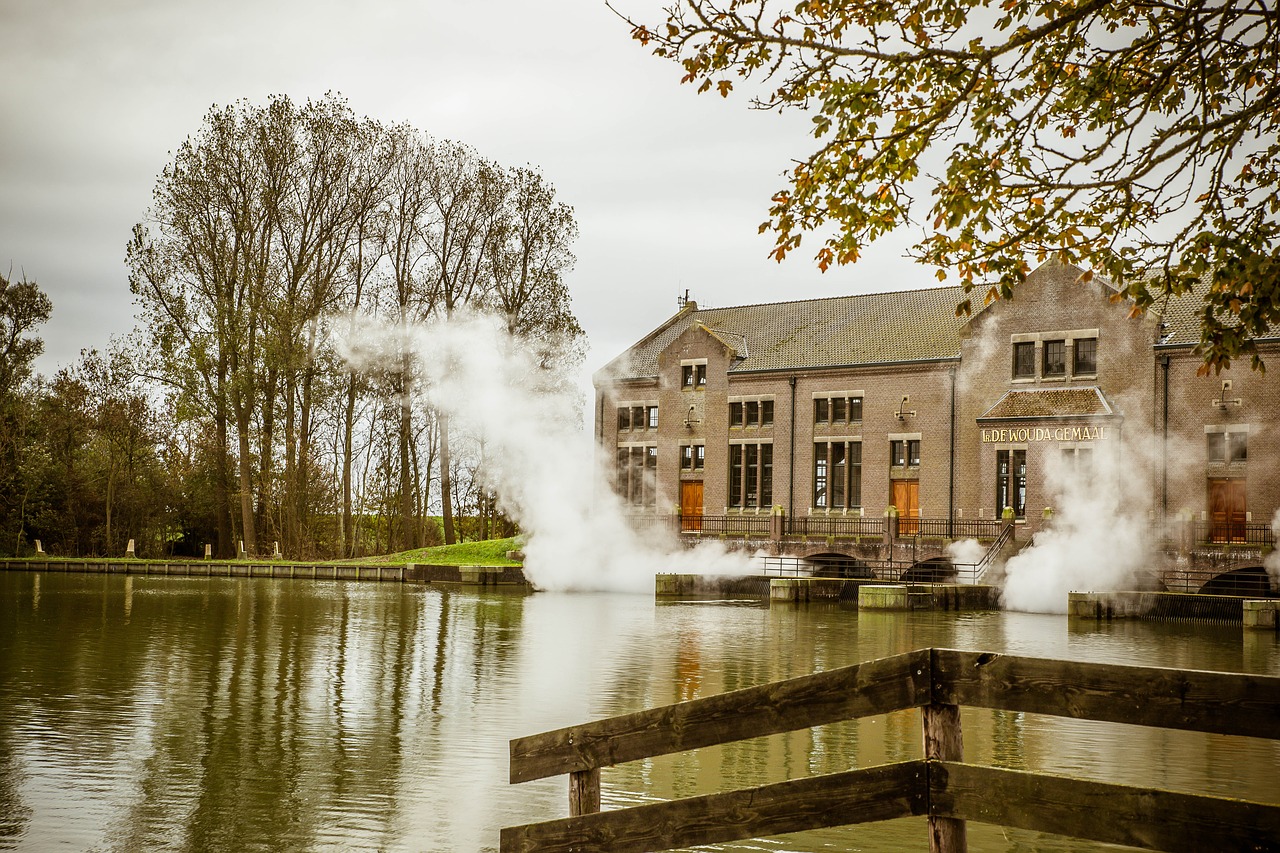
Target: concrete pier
<point>894,597</point>
<point>936,596</point>
<point>1261,614</point>
<point>805,589</point>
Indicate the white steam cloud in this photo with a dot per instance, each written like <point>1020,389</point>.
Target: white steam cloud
<point>1095,542</point>
<point>1273,559</point>
<point>538,459</point>
<point>964,553</point>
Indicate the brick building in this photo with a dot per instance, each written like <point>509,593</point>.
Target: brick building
<point>845,406</point>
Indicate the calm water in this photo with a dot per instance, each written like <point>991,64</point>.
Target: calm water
<point>236,714</point>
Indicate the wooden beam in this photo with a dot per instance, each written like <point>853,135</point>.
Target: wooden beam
<point>1097,811</point>
<point>876,687</point>
<point>1216,702</point>
<point>943,741</point>
<point>584,792</point>
<point>839,799</point>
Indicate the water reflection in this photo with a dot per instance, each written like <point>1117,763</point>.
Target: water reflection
<point>218,714</point>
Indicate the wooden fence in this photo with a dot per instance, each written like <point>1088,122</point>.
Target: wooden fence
<point>941,786</point>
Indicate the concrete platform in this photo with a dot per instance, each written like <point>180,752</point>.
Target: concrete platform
<point>937,596</point>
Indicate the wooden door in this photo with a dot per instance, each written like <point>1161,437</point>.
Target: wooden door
<point>1226,511</point>
<point>691,505</point>
<point>906,497</point>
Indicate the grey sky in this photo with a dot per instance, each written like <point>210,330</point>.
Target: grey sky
<point>668,186</point>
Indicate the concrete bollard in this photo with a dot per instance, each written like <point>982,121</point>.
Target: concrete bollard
<point>208,551</point>
<point>276,554</point>
<point>129,550</point>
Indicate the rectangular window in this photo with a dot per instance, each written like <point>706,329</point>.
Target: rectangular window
<point>693,376</point>
<point>897,453</point>
<point>751,486</point>
<point>652,412</point>
<point>855,409</point>
<point>752,413</point>
<point>1055,358</point>
<point>651,477</point>
<point>766,475</point>
<point>839,409</point>
<point>1024,360</point>
<point>1216,446</point>
<point>913,453</point>
<point>855,473</point>
<point>839,474</point>
<point>637,417</point>
<point>635,485</point>
<point>766,413</point>
<point>821,410</point>
<point>624,418</point>
<point>1237,446</point>
<point>692,457</point>
<point>736,452</point>
<point>1085,357</point>
<point>735,414</point>
<point>1077,459</point>
<point>1011,481</point>
<point>820,475</point>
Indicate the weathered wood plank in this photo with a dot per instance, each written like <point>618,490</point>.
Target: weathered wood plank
<point>1098,811</point>
<point>1216,702</point>
<point>944,741</point>
<point>858,796</point>
<point>876,687</point>
<point>584,792</point>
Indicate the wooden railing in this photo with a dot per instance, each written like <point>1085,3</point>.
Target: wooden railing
<point>941,787</point>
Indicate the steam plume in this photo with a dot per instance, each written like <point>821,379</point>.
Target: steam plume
<point>539,461</point>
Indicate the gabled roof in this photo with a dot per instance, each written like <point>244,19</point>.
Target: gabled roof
<point>841,331</point>
<point>1049,403</point>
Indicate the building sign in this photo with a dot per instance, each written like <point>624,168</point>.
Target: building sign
<point>1033,434</point>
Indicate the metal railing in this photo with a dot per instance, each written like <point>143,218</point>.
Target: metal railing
<point>1233,533</point>
<point>745,526</point>
<point>838,526</point>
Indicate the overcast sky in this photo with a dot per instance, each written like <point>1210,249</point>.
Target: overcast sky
<point>668,186</point>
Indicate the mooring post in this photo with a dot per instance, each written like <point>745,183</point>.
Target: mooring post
<point>943,742</point>
<point>584,792</point>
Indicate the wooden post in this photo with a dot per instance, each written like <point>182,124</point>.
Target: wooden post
<point>943,741</point>
<point>584,792</point>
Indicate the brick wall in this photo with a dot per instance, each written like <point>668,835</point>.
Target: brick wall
<point>1051,304</point>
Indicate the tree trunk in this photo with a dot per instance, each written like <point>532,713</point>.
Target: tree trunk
<point>246,482</point>
<point>302,475</point>
<point>406,469</point>
<point>446,482</point>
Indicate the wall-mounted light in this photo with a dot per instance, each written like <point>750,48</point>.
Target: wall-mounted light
<point>903,411</point>
<point>690,421</point>
<point>1222,401</point>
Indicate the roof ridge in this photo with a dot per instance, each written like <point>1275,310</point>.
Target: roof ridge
<point>906,292</point>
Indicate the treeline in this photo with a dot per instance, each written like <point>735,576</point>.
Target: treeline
<point>228,415</point>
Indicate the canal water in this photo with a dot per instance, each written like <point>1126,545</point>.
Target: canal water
<point>229,714</point>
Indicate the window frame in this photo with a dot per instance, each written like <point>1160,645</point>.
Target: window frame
<point>1076,369</point>
<point>1024,368</point>
<point>1058,367</point>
